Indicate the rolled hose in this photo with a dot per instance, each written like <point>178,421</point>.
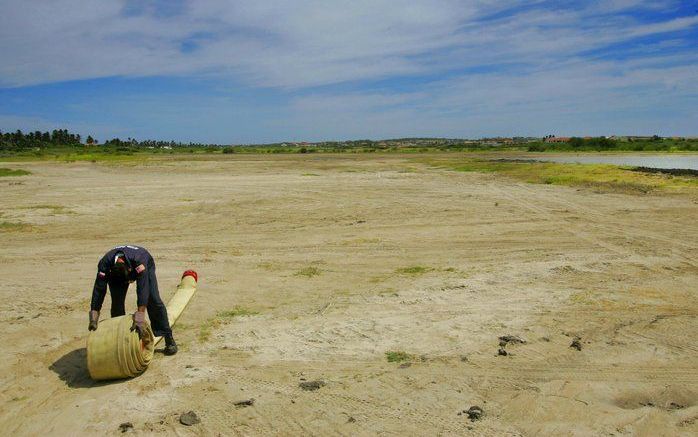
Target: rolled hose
<point>115,352</point>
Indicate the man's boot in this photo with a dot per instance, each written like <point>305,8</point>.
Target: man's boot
<point>170,345</point>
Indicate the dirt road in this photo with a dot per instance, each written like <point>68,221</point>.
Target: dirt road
<point>326,263</point>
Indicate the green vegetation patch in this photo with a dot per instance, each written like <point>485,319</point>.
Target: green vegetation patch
<point>600,176</point>
<point>12,172</point>
<point>64,145</point>
<point>14,227</point>
<point>206,328</point>
<point>222,318</point>
<point>118,157</point>
<point>414,270</point>
<point>408,170</point>
<point>398,356</point>
<point>602,144</point>
<point>308,272</point>
<point>270,266</point>
<point>55,209</point>
<point>237,312</point>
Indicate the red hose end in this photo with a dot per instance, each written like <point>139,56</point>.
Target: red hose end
<point>191,273</point>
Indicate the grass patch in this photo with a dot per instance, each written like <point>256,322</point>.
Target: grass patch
<point>14,226</point>
<point>378,279</point>
<point>408,170</point>
<point>397,356</point>
<point>236,312</point>
<point>600,176</point>
<point>269,266</point>
<point>11,172</point>
<point>222,318</point>
<point>453,270</point>
<point>413,270</point>
<point>310,174</point>
<point>55,209</point>
<point>360,241</point>
<point>308,272</point>
<point>388,292</point>
<point>207,327</point>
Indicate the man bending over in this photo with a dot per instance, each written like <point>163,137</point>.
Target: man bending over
<point>118,268</point>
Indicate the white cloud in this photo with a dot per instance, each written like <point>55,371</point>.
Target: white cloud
<point>485,67</point>
<point>576,98</point>
<point>297,44</point>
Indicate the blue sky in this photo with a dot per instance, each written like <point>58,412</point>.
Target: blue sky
<point>235,72</point>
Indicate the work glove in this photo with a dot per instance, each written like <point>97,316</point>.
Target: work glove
<point>139,323</point>
<point>94,319</point>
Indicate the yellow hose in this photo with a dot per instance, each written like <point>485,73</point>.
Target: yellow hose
<point>114,351</point>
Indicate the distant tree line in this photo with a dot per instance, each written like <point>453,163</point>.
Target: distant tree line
<point>18,140</point>
<point>576,143</point>
<point>603,144</point>
<point>155,144</point>
<point>61,141</point>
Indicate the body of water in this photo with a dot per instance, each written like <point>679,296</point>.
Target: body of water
<point>653,161</point>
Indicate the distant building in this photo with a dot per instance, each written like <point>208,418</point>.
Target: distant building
<point>638,138</point>
<point>557,139</point>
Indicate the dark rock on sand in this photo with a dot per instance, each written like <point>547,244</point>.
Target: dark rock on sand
<point>189,419</point>
<point>244,403</point>
<point>311,385</point>
<point>474,413</point>
<point>513,339</point>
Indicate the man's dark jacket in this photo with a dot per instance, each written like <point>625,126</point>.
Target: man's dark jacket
<point>137,259</point>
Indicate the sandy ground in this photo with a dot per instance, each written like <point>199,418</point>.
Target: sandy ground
<point>494,257</point>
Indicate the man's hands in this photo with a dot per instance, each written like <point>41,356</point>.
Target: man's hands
<point>94,320</point>
<point>139,322</point>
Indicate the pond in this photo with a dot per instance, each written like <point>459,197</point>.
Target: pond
<point>682,161</point>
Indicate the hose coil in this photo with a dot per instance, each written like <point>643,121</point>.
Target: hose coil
<point>115,352</point>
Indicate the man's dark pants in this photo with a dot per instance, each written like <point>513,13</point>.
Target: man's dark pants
<point>156,308</point>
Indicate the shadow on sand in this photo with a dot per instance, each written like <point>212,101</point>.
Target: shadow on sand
<point>72,369</point>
